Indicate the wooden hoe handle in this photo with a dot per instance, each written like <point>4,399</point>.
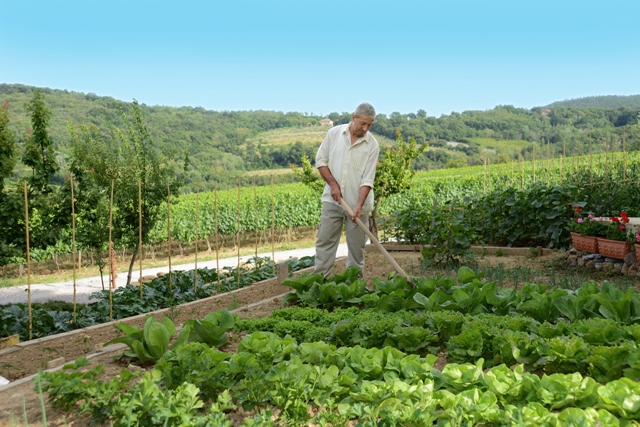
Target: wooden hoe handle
<point>375,241</point>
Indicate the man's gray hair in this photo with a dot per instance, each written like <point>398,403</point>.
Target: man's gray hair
<point>366,110</point>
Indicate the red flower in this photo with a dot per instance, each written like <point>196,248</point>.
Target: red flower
<point>623,214</point>
<point>614,218</point>
<point>577,209</point>
<point>625,219</point>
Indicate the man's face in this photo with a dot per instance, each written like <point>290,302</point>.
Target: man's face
<point>360,125</point>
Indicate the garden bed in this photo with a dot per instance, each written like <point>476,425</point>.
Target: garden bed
<point>28,357</point>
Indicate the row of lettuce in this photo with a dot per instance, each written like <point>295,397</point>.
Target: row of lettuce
<point>372,363</point>
<point>163,292</point>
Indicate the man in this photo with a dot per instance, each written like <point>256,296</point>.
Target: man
<point>347,161</point>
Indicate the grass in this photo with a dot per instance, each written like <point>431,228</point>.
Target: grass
<point>285,136</point>
<point>46,273</point>
<point>269,172</point>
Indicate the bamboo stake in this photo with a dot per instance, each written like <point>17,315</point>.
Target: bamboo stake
<point>548,160</point>
<point>140,284</point>
<point>521,164</point>
<point>26,227</point>
<point>238,234</point>
<point>195,270</point>
<point>590,160</point>
<point>534,162</point>
<point>111,253</point>
<point>169,233</point>
<point>582,157</point>
<point>255,206</point>
<point>484,188</point>
<point>606,158</point>
<point>73,246</point>
<point>215,214</point>
<point>273,226</point>
<point>489,174</point>
<point>624,153</point>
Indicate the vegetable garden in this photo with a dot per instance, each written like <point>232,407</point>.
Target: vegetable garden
<point>447,352</point>
<point>457,351</point>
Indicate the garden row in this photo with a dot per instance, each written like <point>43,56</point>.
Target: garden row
<point>280,381</point>
<point>468,295</point>
<point>163,292</point>
<point>601,348</point>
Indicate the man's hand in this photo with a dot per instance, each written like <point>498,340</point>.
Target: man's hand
<point>336,194</point>
<point>356,213</point>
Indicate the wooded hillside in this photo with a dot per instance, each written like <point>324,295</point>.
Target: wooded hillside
<point>224,145</point>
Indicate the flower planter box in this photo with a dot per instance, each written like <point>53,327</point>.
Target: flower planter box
<point>584,243</point>
<point>637,252</point>
<point>613,248</point>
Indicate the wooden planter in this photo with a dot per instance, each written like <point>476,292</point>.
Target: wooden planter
<point>637,246</point>
<point>584,243</point>
<point>613,248</point>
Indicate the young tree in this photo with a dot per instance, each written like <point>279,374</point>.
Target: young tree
<point>126,155</point>
<point>393,173</point>
<point>306,175</point>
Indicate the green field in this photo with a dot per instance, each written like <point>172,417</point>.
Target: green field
<point>310,135</point>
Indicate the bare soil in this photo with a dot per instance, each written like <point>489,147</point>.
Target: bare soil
<point>23,399</point>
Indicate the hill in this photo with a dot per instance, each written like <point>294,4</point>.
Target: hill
<point>603,101</point>
<point>224,145</point>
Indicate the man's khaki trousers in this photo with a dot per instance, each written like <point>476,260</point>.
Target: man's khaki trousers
<point>329,232</point>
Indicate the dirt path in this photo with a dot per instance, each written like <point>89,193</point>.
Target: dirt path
<point>63,291</point>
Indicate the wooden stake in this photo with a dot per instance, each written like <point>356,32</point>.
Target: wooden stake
<point>215,213</point>
<point>606,158</point>
<point>26,227</point>
<point>273,226</point>
<point>590,160</point>
<point>238,234</point>
<point>169,233</point>
<point>195,270</point>
<point>548,160</point>
<point>140,284</point>
<point>73,246</point>
<point>111,253</point>
<point>521,164</point>
<point>624,153</point>
<point>533,163</point>
<point>255,207</point>
<point>484,188</point>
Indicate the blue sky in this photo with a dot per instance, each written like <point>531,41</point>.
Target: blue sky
<point>319,57</point>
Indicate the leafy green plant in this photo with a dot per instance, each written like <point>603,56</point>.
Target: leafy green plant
<point>148,344</point>
<point>447,240</point>
<point>212,330</point>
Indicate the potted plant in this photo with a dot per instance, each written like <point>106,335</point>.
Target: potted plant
<point>584,231</point>
<point>617,241</point>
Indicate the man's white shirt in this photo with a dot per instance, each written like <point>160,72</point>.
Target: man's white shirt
<point>352,166</point>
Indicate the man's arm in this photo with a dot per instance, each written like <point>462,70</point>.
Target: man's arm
<point>325,173</point>
<point>362,196</point>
